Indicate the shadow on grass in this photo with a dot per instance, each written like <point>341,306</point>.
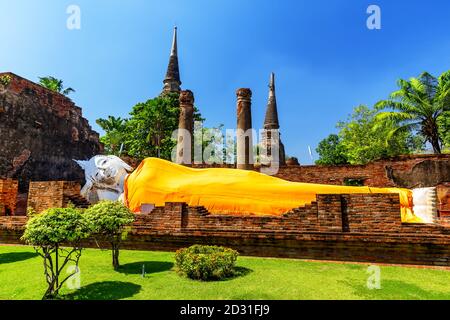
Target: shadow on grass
<point>394,290</point>
<point>106,290</point>
<point>149,267</point>
<point>11,257</point>
<point>238,273</point>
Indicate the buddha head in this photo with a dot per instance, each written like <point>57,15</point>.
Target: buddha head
<point>105,174</point>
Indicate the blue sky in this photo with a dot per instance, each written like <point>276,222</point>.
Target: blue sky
<point>325,59</point>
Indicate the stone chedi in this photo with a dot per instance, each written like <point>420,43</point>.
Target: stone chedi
<point>172,82</point>
<point>185,128</point>
<point>271,141</point>
<point>42,131</point>
<point>244,138</point>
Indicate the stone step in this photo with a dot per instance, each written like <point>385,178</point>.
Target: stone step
<point>78,201</point>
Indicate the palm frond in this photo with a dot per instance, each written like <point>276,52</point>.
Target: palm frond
<point>395,117</point>
<point>67,91</point>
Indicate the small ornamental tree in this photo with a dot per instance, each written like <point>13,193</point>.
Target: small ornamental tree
<point>48,232</point>
<point>109,219</point>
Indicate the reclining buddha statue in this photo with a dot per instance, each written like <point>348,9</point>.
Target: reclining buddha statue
<point>219,190</point>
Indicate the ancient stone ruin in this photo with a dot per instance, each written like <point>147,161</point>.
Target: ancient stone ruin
<point>42,131</point>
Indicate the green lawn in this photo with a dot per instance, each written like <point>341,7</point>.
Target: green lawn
<point>21,277</point>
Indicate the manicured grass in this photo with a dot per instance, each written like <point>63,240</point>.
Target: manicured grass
<point>21,277</point>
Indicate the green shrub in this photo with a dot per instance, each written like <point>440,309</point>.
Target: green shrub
<point>5,80</point>
<point>206,262</point>
<point>110,219</point>
<point>56,235</point>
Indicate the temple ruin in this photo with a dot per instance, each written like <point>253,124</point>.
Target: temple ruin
<point>43,131</point>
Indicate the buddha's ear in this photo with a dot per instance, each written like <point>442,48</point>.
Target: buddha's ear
<point>82,164</point>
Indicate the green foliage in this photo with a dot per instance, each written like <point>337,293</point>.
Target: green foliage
<point>109,220</point>
<point>55,226</point>
<point>421,104</point>
<point>331,151</point>
<point>47,232</point>
<point>151,126</point>
<point>54,84</point>
<point>115,129</point>
<point>31,212</point>
<point>260,278</point>
<point>365,137</point>
<point>108,217</point>
<point>353,182</point>
<point>5,80</point>
<point>206,262</point>
<point>148,131</point>
<point>421,113</point>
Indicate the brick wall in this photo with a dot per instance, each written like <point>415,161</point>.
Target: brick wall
<point>415,171</point>
<point>43,195</point>
<point>42,131</point>
<point>56,102</point>
<point>443,196</point>
<point>356,213</point>
<point>412,171</point>
<point>356,227</point>
<point>374,213</point>
<point>345,227</point>
<point>8,196</point>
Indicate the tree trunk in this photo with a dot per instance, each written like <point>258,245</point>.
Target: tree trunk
<point>115,256</point>
<point>51,276</point>
<point>436,144</point>
<point>56,270</point>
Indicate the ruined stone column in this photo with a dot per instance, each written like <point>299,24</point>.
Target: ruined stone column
<point>244,129</point>
<point>185,127</point>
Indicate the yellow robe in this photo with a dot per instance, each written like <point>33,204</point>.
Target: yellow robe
<point>232,191</point>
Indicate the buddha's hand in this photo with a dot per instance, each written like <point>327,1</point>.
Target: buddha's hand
<point>121,198</point>
<point>86,189</point>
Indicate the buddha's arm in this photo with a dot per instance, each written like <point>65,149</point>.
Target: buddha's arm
<point>86,188</point>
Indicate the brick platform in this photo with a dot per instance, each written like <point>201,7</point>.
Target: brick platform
<point>8,196</point>
<point>54,194</point>
<point>356,227</point>
<point>408,171</point>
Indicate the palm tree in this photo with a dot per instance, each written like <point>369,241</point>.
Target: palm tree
<point>54,84</point>
<point>421,104</point>
<point>115,128</point>
<point>111,123</point>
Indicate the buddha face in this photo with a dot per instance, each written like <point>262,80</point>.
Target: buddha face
<point>104,172</point>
